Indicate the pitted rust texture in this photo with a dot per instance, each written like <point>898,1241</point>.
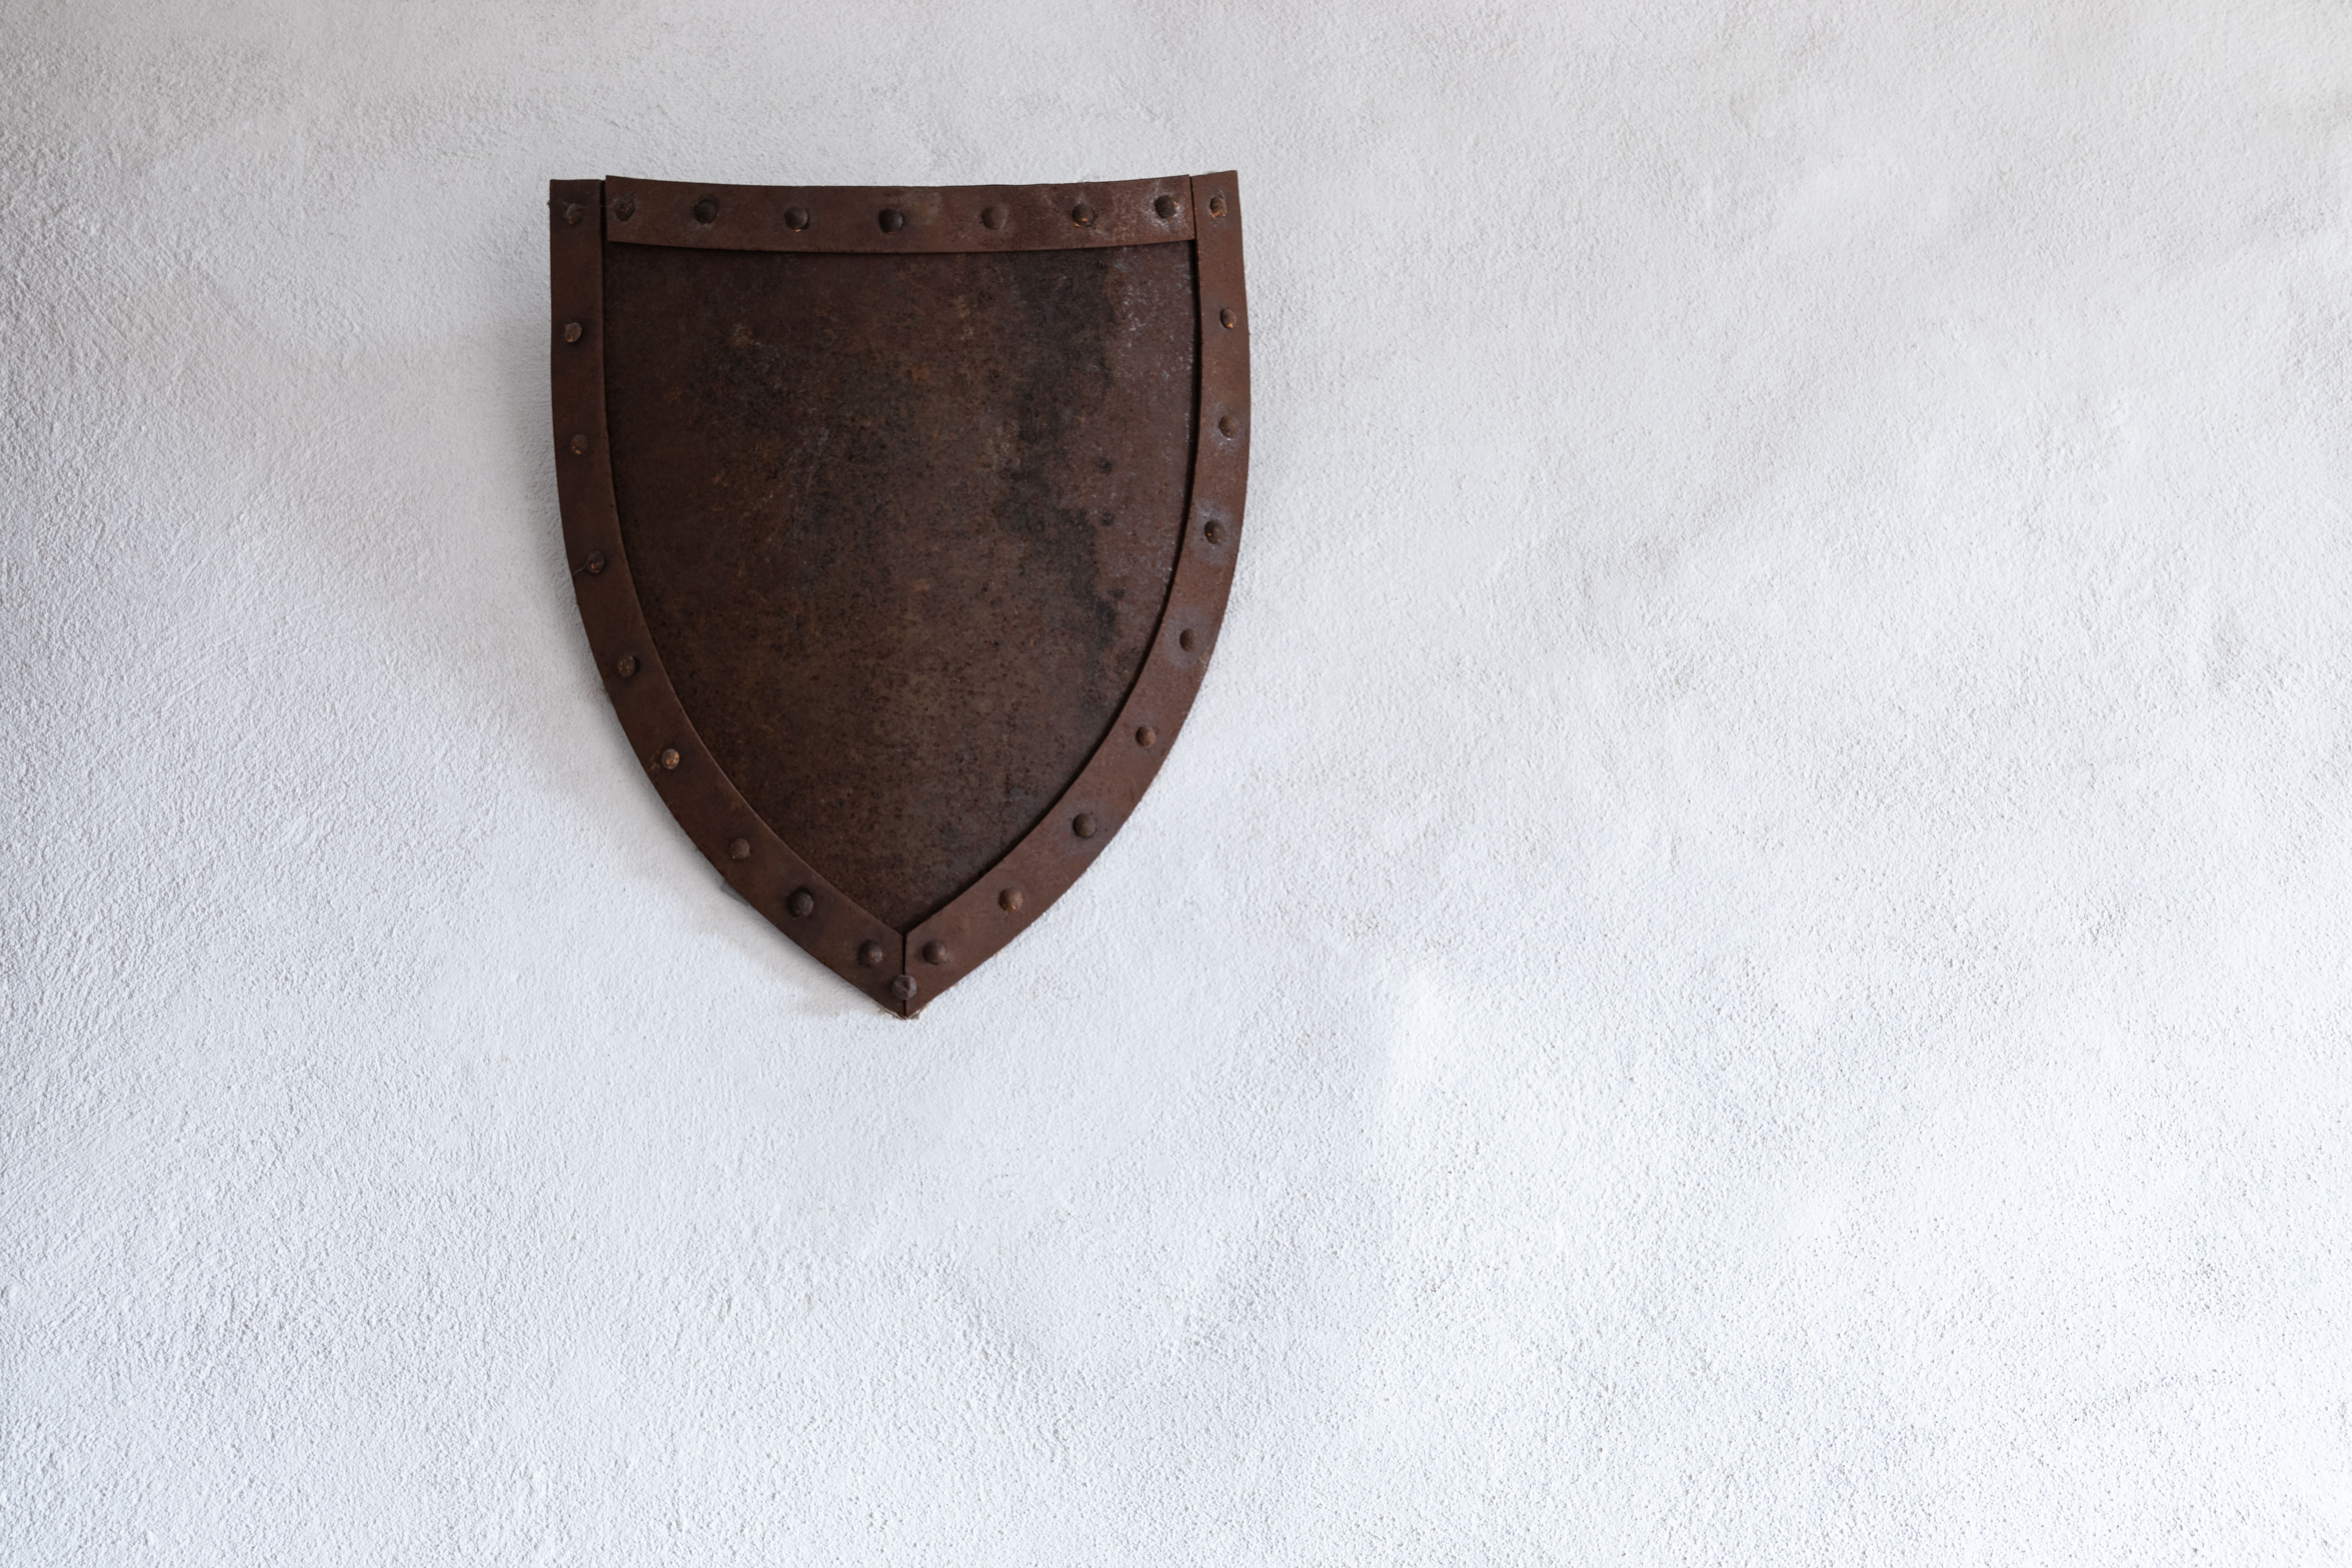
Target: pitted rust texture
<point>902,527</point>
<point>1059,849</point>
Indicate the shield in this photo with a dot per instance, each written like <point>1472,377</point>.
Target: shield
<point>901,521</point>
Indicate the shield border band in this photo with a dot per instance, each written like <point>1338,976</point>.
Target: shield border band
<point>769,874</point>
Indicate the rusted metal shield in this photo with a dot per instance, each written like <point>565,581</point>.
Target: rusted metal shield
<point>901,522</point>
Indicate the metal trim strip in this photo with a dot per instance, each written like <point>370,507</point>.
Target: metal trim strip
<point>860,219</point>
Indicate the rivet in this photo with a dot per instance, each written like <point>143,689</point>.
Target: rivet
<point>739,849</point>
<point>1145,735</point>
<point>1228,427</point>
<point>1083,824</point>
<point>796,218</point>
<point>626,208</point>
<point>626,665</point>
<point>803,902</point>
<point>1227,317</point>
<point>572,213</point>
<point>1184,639</point>
<point>1213,532</point>
<point>579,442</point>
<point>1216,206</point>
<point>935,953</point>
<point>706,211</point>
<point>1082,215</point>
<point>669,759</point>
<point>994,217</point>
<point>595,564</point>
<point>904,988</point>
<point>571,332</point>
<point>1009,900</point>
<point>1165,206</point>
<point>869,953</point>
<point>892,220</point>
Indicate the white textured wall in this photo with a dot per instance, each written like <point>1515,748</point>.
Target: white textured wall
<point>1746,959</point>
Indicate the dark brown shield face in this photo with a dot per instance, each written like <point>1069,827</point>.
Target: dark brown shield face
<point>902,523</point>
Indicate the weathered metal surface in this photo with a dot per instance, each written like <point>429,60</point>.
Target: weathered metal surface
<point>901,527</point>
<point>1053,855</point>
<point>902,551</point>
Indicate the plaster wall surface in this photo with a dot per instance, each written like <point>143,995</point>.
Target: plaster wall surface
<point>1743,960</point>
